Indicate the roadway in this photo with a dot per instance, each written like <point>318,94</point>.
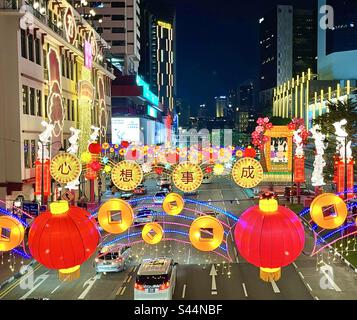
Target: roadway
<point>196,278</point>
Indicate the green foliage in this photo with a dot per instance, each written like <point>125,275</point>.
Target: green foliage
<point>279,121</point>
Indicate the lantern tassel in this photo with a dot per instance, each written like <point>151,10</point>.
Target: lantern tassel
<point>69,274</point>
<point>270,274</point>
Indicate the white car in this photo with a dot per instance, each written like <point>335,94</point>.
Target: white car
<point>144,215</point>
<point>160,196</point>
<point>156,280</point>
<point>112,259</point>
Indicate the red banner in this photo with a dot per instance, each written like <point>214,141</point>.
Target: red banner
<point>46,178</point>
<point>340,178</point>
<point>299,169</point>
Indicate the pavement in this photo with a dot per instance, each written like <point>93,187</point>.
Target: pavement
<point>235,279</point>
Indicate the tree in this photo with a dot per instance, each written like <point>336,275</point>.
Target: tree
<point>279,121</point>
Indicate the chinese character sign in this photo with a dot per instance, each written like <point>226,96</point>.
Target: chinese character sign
<point>127,175</point>
<point>65,168</point>
<point>187,176</point>
<point>247,173</point>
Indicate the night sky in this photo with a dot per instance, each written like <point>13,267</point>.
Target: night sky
<point>217,45</point>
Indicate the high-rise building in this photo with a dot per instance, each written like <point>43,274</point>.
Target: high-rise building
<point>287,46</point>
<point>246,95</point>
<point>221,106</point>
<point>158,43</point>
<point>54,69</point>
<point>337,46</point>
<point>118,22</point>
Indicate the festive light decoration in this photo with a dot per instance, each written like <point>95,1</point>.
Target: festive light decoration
<point>239,154</point>
<point>152,233</point>
<point>63,238</point>
<point>65,168</point>
<point>206,233</point>
<point>124,144</point>
<point>187,176</point>
<point>173,204</point>
<point>270,237</point>
<point>218,169</point>
<point>333,220</point>
<point>115,207</point>
<point>16,233</point>
<point>258,136</point>
<point>86,157</point>
<point>44,141</point>
<point>73,149</point>
<point>146,167</point>
<point>46,180</point>
<point>107,168</point>
<point>317,177</point>
<point>105,145</point>
<point>127,175</point>
<point>247,173</point>
<point>70,26</point>
<point>94,148</point>
<point>250,152</point>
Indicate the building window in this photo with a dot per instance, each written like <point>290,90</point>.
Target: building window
<point>69,110</point>
<point>120,43</point>
<point>46,112</point>
<point>73,117</point>
<point>30,41</point>
<point>118,30</point>
<point>23,44</point>
<point>39,102</point>
<point>117,17</point>
<point>33,153</point>
<point>63,66</point>
<point>25,100</point>
<point>119,4</point>
<point>32,101</point>
<point>27,154</point>
<point>38,51</point>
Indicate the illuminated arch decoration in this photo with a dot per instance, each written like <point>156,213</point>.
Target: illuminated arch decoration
<point>70,26</point>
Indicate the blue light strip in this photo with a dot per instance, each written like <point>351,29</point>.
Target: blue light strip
<point>8,213</point>
<point>21,253</point>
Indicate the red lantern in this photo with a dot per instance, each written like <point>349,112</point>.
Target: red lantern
<point>124,144</point>
<point>250,152</point>
<point>270,237</point>
<point>63,238</point>
<point>95,148</point>
<point>95,166</point>
<point>209,170</point>
<point>159,171</point>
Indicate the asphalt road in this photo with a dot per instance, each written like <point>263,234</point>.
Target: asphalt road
<point>235,279</point>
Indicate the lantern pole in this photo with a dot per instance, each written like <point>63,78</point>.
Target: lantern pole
<point>346,168</point>
<point>42,173</point>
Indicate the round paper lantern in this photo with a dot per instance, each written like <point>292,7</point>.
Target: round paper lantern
<point>95,148</point>
<point>86,157</point>
<point>250,152</point>
<point>95,166</point>
<point>124,144</point>
<point>269,236</point>
<point>63,238</point>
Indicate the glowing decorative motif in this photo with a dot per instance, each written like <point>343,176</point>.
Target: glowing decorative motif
<point>247,173</point>
<point>70,25</point>
<point>146,167</point>
<point>341,136</point>
<point>187,176</point>
<point>86,157</point>
<point>206,233</point>
<point>107,169</point>
<point>328,211</point>
<point>44,140</point>
<point>173,204</point>
<point>73,149</point>
<point>152,233</point>
<point>317,177</point>
<point>65,168</point>
<point>218,169</point>
<point>115,216</point>
<point>16,233</point>
<point>127,175</point>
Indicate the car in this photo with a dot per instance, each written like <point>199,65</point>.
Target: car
<point>163,181</point>
<point>166,187</point>
<point>140,190</point>
<point>191,193</point>
<point>112,259</point>
<point>160,196</point>
<point>126,196</point>
<point>293,192</point>
<point>145,215</point>
<point>210,213</point>
<point>156,279</point>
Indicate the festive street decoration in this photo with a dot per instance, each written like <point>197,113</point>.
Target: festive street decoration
<point>218,169</point>
<point>247,173</point>
<point>94,148</point>
<point>259,139</point>
<point>46,180</point>
<point>65,168</point>
<point>270,237</point>
<point>115,216</point>
<point>173,204</point>
<point>70,26</point>
<point>73,149</point>
<point>127,175</point>
<point>328,211</point>
<point>187,176</point>
<point>16,233</point>
<point>250,152</point>
<point>152,233</point>
<point>44,141</point>
<point>206,233</point>
<point>317,177</point>
<point>63,238</point>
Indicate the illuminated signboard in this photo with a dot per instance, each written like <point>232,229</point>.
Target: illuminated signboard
<point>152,112</point>
<point>150,96</point>
<point>88,58</point>
<point>125,129</point>
<point>164,25</point>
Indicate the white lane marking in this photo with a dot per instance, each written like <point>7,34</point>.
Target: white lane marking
<point>301,275</point>
<point>237,259</point>
<point>89,283</point>
<point>55,289</point>
<point>129,279</point>
<point>43,277</point>
<point>122,292</point>
<point>235,250</point>
<point>213,274</point>
<point>294,264</point>
<point>214,293</point>
<point>335,286</point>
<point>316,298</point>
<point>245,290</point>
<point>189,255</point>
<point>275,286</point>
<point>183,291</point>
<point>309,286</point>
<point>120,289</point>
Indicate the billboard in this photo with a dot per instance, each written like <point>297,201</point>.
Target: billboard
<point>127,129</point>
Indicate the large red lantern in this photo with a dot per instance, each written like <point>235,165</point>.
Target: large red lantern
<point>63,238</point>
<point>95,148</point>
<point>250,152</point>
<point>269,236</point>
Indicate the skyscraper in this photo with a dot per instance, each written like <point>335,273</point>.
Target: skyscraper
<point>221,106</point>
<point>287,46</point>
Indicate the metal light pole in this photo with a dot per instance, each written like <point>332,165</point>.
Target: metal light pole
<point>345,171</point>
